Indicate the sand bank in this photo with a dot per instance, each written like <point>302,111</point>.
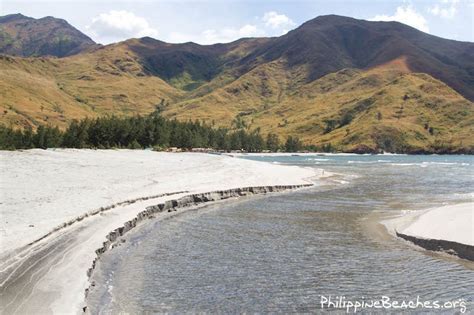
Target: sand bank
<point>438,228</point>
<point>41,190</point>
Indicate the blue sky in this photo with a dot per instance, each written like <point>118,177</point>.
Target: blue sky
<point>207,22</point>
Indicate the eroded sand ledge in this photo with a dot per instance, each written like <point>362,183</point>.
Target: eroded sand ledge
<point>461,250</point>
<point>44,261</point>
<point>448,229</point>
<point>43,189</point>
<point>176,204</point>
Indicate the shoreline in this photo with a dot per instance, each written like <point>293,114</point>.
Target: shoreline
<point>446,229</point>
<point>7,255</point>
<point>60,186</point>
<point>188,202</point>
<point>50,275</point>
<point>341,154</point>
<point>452,248</point>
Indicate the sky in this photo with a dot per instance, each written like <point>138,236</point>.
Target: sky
<point>213,21</point>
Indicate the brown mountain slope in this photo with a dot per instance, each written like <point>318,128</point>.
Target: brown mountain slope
<point>55,91</point>
<point>188,66</point>
<point>353,84</point>
<point>24,36</point>
<point>386,108</point>
<point>330,43</point>
<point>323,45</point>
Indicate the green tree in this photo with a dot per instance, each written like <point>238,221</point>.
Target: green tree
<point>39,139</point>
<point>273,142</point>
<point>293,144</point>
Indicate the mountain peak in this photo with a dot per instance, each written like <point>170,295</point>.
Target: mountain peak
<point>337,20</point>
<point>25,36</point>
<point>331,19</point>
<point>13,17</point>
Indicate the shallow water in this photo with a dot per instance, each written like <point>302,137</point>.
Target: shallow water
<point>281,253</point>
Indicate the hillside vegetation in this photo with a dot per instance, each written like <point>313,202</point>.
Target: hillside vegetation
<point>334,82</point>
<point>54,91</point>
<point>387,108</point>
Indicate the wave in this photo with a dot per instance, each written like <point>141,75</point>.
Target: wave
<point>369,162</point>
<point>469,195</point>
<point>426,164</point>
<point>404,164</point>
<point>340,181</point>
<point>440,163</point>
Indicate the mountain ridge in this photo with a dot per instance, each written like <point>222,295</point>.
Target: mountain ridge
<point>333,81</point>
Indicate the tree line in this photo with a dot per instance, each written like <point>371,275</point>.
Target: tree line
<point>151,131</point>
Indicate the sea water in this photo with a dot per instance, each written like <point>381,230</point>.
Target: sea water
<point>288,252</point>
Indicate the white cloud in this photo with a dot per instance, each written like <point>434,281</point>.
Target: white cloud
<point>407,15</point>
<point>446,9</point>
<point>120,25</point>
<point>178,37</point>
<point>248,31</point>
<point>277,21</point>
<point>230,34</point>
<point>271,23</point>
<point>212,36</point>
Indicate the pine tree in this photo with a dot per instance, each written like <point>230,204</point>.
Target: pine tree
<point>273,142</point>
<point>293,144</point>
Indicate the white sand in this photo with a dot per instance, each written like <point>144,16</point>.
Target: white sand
<point>450,223</point>
<point>47,188</point>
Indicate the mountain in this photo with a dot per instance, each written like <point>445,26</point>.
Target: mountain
<point>189,65</point>
<point>330,43</point>
<point>350,84</point>
<point>386,107</point>
<point>25,36</point>
<point>54,91</point>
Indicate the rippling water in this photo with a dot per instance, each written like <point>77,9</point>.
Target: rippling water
<point>280,253</point>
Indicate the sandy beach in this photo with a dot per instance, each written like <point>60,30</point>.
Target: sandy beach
<point>41,190</point>
<point>59,206</point>
<point>451,223</point>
